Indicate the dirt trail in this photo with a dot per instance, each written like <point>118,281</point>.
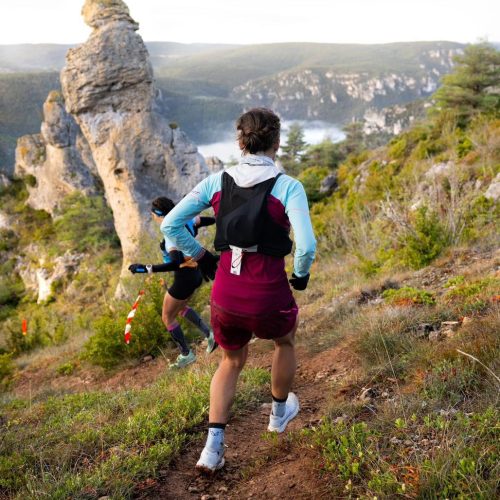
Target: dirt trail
<point>256,466</point>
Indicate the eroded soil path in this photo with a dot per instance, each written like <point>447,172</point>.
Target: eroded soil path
<point>258,464</point>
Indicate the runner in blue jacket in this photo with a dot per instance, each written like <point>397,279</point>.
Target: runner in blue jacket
<point>186,280</point>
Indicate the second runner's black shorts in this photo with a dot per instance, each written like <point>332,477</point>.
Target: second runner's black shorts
<point>186,281</point>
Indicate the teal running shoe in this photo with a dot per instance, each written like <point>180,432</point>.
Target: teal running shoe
<point>183,360</point>
<point>211,343</point>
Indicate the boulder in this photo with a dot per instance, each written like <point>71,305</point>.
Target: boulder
<point>329,184</point>
<point>493,191</point>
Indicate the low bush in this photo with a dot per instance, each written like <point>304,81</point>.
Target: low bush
<point>106,347</point>
<point>311,178</point>
<point>427,239</point>
<point>6,370</point>
<point>408,295</point>
<point>65,369</point>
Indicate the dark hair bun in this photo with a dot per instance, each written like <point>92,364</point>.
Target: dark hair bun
<point>258,130</point>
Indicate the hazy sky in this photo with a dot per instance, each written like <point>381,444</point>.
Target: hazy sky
<point>264,21</point>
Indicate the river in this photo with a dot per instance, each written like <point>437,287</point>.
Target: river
<point>314,133</point>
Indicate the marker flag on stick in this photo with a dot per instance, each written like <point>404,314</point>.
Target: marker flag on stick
<point>24,326</point>
<point>130,317</point>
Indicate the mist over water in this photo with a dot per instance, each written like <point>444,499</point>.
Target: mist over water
<point>314,133</point>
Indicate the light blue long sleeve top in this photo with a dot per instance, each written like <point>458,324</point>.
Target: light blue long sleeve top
<point>287,190</point>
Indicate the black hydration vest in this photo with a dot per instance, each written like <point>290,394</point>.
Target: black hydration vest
<point>243,220</point>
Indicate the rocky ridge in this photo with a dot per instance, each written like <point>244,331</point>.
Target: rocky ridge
<point>328,94</point>
<point>105,126</point>
<point>58,158</point>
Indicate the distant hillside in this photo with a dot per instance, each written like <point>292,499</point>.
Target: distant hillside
<point>51,57</point>
<point>235,66</point>
<point>203,87</point>
<point>21,99</point>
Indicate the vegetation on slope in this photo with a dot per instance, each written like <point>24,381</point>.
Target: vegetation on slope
<point>419,418</point>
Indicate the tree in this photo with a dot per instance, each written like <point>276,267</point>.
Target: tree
<point>354,141</point>
<point>294,147</point>
<point>474,85</point>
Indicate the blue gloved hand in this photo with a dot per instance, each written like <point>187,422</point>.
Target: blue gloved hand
<point>137,268</point>
<point>299,283</point>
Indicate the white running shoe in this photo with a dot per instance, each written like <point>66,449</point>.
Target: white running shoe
<point>278,424</point>
<point>210,461</point>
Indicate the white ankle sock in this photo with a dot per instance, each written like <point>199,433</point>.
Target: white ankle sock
<point>279,408</point>
<point>215,439</point>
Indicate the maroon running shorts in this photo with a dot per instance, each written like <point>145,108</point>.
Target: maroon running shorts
<point>233,331</point>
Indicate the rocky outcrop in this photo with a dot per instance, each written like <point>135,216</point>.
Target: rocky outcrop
<point>108,87</point>
<point>214,164</point>
<point>58,158</point>
<point>329,184</point>
<point>393,119</point>
<point>493,191</point>
<point>41,276</point>
<point>4,221</point>
<point>4,181</point>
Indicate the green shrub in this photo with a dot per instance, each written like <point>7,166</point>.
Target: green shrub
<point>380,180</point>
<point>66,368</point>
<point>480,218</point>
<point>454,281</point>
<point>38,334</point>
<point>471,291</point>
<point>106,347</point>
<point>427,239</point>
<point>30,180</point>
<point>464,147</point>
<point>85,223</point>
<point>11,290</point>
<point>8,240</point>
<point>6,370</point>
<point>311,178</point>
<point>351,452</point>
<point>345,447</point>
<point>408,296</point>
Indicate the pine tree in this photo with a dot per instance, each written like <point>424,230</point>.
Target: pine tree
<point>474,85</point>
<point>295,143</point>
<point>354,141</point>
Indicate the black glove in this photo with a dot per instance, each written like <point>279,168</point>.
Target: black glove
<point>206,221</point>
<point>137,268</point>
<point>162,245</point>
<point>176,257</point>
<point>208,265</point>
<point>299,283</point>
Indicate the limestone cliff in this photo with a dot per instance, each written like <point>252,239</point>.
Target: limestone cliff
<point>58,158</point>
<point>108,87</point>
